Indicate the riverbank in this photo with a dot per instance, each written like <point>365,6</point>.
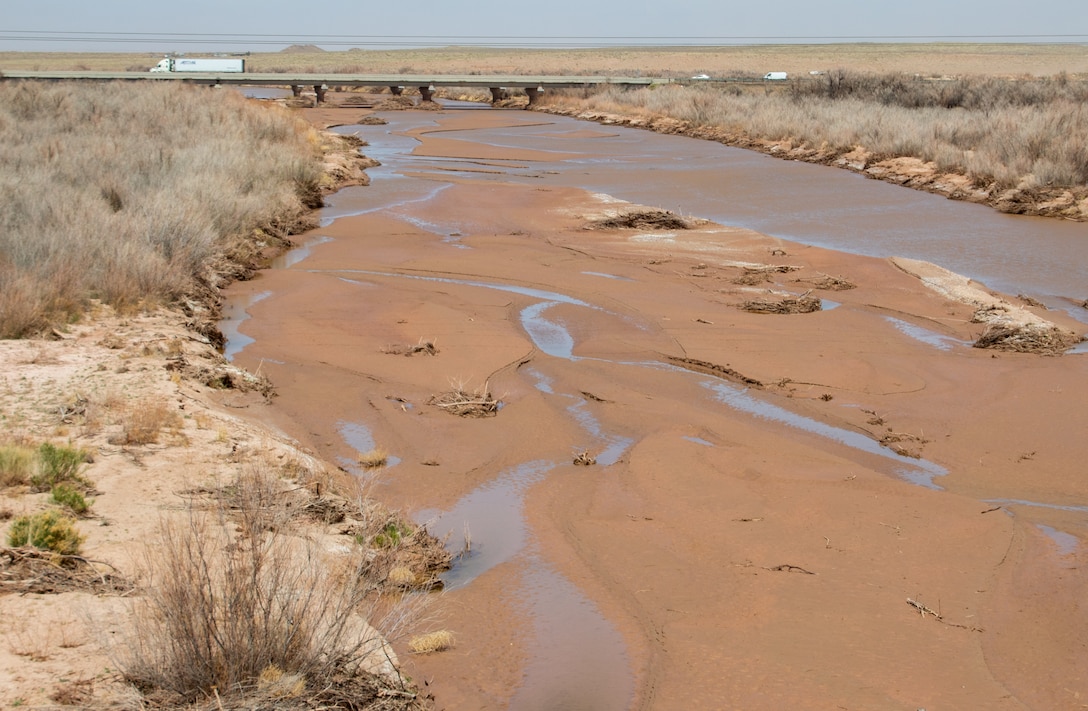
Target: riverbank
<point>156,417</point>
<point>907,171</point>
<point>848,506</point>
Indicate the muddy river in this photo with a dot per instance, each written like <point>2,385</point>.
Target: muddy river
<point>1042,258</point>
<point>468,235</point>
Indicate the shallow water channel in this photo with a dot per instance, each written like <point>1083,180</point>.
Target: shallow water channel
<point>578,658</point>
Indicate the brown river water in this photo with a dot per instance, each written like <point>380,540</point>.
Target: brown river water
<point>546,605</point>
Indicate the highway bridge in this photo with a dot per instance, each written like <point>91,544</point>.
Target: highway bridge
<point>426,83</point>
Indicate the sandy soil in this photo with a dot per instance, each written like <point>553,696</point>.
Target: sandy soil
<point>746,562</point>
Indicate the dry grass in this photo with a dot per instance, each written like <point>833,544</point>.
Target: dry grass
<point>373,459</point>
<point>431,642</point>
<point>17,465</point>
<point>130,194</point>
<point>144,423</point>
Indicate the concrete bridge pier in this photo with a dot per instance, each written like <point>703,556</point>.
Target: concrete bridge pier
<point>496,94</point>
<point>319,91</point>
<point>296,90</point>
<point>533,94</point>
<point>396,90</point>
<point>426,92</point>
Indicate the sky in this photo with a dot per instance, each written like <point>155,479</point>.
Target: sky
<point>248,25</point>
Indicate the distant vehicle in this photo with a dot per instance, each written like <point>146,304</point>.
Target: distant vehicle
<point>701,76</point>
<point>774,76</point>
<point>200,65</point>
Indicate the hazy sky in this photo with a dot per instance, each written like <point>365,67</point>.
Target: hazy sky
<point>192,25</point>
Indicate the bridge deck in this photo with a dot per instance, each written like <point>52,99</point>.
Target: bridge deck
<point>405,80</point>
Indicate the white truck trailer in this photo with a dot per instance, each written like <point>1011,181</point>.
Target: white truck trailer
<point>177,64</point>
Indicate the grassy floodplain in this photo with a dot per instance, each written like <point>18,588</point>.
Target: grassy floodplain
<point>131,194</point>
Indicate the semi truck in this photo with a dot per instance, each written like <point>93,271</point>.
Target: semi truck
<point>173,64</point>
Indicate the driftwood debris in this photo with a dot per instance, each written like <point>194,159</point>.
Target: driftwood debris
<point>1027,338</point>
<point>480,403</point>
<point>787,568</point>
<point>641,220</point>
<point>719,371</point>
<point>790,305</point>
<point>32,570</point>
<point>421,348</point>
<point>826,282</point>
<point>584,459</point>
<point>924,610</point>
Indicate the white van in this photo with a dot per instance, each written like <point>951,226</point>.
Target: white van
<point>774,76</point>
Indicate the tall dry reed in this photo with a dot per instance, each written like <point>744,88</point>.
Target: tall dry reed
<point>125,193</point>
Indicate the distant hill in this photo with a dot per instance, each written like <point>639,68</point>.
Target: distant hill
<point>301,49</point>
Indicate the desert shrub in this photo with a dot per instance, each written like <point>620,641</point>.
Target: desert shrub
<point>58,465</point>
<point>16,465</point>
<point>48,530</point>
<point>234,599</point>
<point>71,498</point>
<point>128,194</point>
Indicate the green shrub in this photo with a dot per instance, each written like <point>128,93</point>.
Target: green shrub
<point>391,535</point>
<point>48,530</point>
<point>16,465</point>
<point>58,465</point>
<point>71,498</point>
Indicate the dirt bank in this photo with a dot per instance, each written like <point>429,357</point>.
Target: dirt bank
<point>846,508</point>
